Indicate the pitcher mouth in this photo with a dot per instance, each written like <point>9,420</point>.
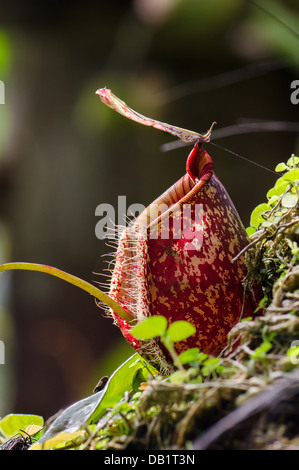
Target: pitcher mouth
<point>199,169</point>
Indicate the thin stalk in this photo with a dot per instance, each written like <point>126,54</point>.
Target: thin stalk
<point>76,281</point>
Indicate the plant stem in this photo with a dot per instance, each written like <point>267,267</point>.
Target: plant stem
<point>169,345</point>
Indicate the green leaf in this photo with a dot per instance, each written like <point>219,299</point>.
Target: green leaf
<point>281,167</point>
<point>150,328</point>
<point>293,353</point>
<point>202,357</point>
<point>59,441</point>
<point>91,409</point>
<point>210,364</point>
<point>250,230</point>
<point>273,200</point>
<point>13,423</point>
<point>256,217</point>
<point>263,303</point>
<point>292,175</point>
<point>190,355</point>
<point>293,161</point>
<point>279,188</point>
<point>262,350</point>
<point>176,377</point>
<point>138,379</point>
<point>119,382</point>
<point>289,200</point>
<point>180,330</point>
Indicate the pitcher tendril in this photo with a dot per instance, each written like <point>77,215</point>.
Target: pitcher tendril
<point>76,281</point>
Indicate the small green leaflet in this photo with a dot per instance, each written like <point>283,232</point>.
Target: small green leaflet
<point>180,330</point>
<point>257,214</point>
<point>157,326</point>
<point>150,328</point>
<point>14,423</point>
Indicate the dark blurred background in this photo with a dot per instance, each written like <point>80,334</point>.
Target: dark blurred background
<point>62,152</point>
